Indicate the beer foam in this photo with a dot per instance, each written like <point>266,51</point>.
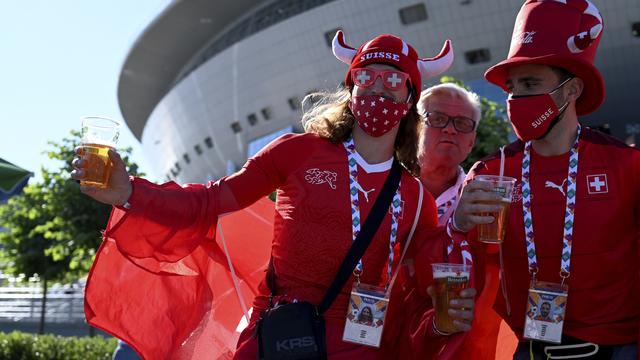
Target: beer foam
<point>441,274</point>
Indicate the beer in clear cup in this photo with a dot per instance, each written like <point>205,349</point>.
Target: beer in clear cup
<point>449,280</point>
<point>494,232</point>
<point>99,135</point>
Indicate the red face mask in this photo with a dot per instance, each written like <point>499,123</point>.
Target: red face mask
<point>533,115</point>
<point>377,115</point>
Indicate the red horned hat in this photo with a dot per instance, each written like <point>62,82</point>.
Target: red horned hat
<point>392,50</point>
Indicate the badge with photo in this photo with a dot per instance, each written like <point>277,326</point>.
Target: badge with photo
<point>546,306</point>
<point>366,315</point>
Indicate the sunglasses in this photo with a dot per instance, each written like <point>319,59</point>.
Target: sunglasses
<point>439,120</point>
<point>391,79</point>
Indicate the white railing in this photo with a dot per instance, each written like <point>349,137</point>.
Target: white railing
<point>24,304</point>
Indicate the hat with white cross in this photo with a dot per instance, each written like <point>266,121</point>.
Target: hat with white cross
<point>560,33</point>
<point>392,50</point>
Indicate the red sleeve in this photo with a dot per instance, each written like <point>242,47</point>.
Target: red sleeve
<point>479,250</point>
<point>427,247</point>
<point>167,222</point>
<point>429,212</point>
<point>483,337</point>
<point>418,337</point>
<point>418,340</point>
<point>410,333</point>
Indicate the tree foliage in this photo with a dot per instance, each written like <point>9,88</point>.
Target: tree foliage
<point>52,229</point>
<point>493,131</point>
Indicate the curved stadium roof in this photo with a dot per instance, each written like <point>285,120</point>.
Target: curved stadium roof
<point>167,49</point>
<point>159,54</point>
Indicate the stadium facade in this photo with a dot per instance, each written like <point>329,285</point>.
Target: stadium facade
<point>209,82</point>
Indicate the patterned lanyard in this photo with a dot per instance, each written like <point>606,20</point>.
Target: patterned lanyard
<point>355,208</point>
<point>444,207</point>
<point>569,210</point>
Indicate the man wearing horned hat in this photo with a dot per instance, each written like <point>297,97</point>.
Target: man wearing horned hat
<point>573,227</point>
<point>328,180</point>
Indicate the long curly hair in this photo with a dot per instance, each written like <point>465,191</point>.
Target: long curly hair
<point>329,117</point>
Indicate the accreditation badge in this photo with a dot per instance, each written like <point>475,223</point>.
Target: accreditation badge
<point>366,315</point>
<point>545,312</point>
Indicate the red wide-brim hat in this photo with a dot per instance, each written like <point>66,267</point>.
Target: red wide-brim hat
<point>553,33</point>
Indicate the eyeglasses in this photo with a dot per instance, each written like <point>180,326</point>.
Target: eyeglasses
<point>439,120</point>
<point>391,79</point>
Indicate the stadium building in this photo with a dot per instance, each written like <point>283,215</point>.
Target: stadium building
<point>209,82</point>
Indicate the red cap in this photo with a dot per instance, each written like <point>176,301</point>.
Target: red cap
<point>561,33</point>
<point>392,50</point>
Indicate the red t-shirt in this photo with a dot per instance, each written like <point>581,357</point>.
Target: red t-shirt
<point>312,225</point>
<point>604,285</point>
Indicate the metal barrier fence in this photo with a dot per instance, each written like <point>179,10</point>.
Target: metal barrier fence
<point>24,304</point>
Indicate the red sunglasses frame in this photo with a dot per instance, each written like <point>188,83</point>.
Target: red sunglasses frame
<point>375,74</point>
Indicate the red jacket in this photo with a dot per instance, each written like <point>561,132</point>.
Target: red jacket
<point>604,286</point>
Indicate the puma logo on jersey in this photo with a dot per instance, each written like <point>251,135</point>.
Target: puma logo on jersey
<point>316,176</point>
<point>363,191</point>
<point>551,184</point>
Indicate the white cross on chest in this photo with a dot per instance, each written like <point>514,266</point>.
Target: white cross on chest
<point>363,77</point>
<point>597,183</point>
<point>394,79</point>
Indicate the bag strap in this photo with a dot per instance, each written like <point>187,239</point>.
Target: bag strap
<point>362,241</point>
<point>271,281</point>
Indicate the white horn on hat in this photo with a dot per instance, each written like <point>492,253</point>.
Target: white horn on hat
<point>341,50</point>
<point>437,65</point>
<point>592,33</point>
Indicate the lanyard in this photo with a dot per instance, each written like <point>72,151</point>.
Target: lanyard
<point>355,208</point>
<point>569,210</point>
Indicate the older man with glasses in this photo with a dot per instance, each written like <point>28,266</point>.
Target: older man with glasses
<point>451,115</point>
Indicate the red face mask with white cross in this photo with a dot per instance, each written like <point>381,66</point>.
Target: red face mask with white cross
<point>377,115</point>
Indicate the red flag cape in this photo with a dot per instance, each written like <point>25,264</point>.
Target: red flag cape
<point>190,309</point>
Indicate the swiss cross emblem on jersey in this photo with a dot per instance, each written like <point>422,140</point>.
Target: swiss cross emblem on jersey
<point>597,184</point>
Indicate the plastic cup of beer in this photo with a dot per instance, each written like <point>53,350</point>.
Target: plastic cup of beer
<point>449,280</point>
<point>494,232</point>
<point>99,135</point>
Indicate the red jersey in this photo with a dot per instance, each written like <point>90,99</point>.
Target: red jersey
<point>312,224</point>
<point>604,285</point>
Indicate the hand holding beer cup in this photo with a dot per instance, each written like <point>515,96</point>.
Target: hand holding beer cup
<point>97,166</point>
<point>485,202</point>
<point>452,298</point>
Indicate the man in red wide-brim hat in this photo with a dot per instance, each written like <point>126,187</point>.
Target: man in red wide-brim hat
<point>573,226</point>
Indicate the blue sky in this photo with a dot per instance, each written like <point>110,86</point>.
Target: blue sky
<point>61,60</point>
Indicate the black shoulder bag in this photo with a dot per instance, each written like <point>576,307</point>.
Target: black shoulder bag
<point>296,330</point>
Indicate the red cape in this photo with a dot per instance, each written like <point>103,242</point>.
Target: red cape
<point>150,305</point>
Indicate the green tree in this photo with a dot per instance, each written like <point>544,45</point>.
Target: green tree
<point>493,131</point>
<point>52,229</point>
